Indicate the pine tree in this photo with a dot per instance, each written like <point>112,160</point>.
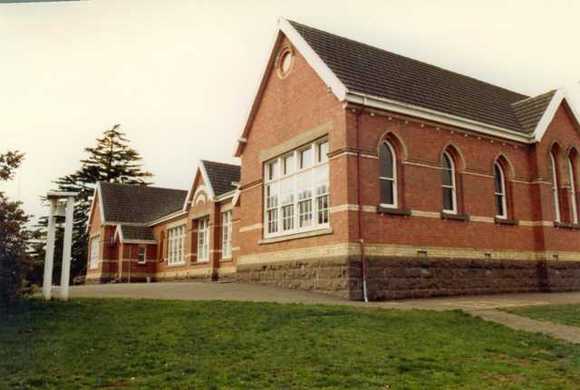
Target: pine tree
<point>111,160</point>
<point>13,236</point>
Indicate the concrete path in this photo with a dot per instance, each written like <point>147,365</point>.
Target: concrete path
<point>559,331</point>
<point>487,302</point>
<point>483,306</point>
<point>202,291</point>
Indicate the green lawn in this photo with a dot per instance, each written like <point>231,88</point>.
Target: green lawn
<point>563,314</point>
<point>161,344</point>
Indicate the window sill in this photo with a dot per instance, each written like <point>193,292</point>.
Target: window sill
<point>393,211</point>
<point>176,264</point>
<point>573,226</point>
<point>296,236</point>
<point>455,217</point>
<point>227,260</point>
<point>200,262</point>
<point>505,221</point>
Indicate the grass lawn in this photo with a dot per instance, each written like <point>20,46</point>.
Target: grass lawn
<point>563,314</point>
<point>167,344</point>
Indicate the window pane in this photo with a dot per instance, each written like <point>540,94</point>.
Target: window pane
<point>322,204</point>
<point>306,158</point>
<point>273,221</point>
<point>273,170</point>
<point>447,177</point>
<point>305,211</point>
<point>448,199</point>
<point>323,151</point>
<point>498,180</point>
<point>446,162</point>
<point>288,217</point>
<point>387,193</point>
<point>386,161</point>
<point>289,164</point>
<point>499,205</point>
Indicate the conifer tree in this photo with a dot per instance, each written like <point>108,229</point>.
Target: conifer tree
<point>111,160</point>
<point>13,235</point>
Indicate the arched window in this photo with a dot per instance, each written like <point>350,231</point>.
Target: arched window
<point>500,192</point>
<point>448,183</point>
<point>555,186</point>
<point>573,200</point>
<point>388,175</point>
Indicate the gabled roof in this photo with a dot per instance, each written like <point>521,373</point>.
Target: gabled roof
<point>137,204</point>
<point>529,111</point>
<point>377,72</point>
<point>132,233</point>
<point>219,179</point>
<point>221,176</point>
<point>362,74</point>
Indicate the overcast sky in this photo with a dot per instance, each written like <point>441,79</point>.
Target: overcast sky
<point>179,75</point>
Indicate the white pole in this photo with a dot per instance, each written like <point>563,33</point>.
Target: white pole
<point>66,250</point>
<point>49,253</point>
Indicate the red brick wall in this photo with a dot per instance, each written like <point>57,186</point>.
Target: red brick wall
<point>288,107</point>
<point>419,154</point>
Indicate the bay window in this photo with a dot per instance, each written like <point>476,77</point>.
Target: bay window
<point>296,191</point>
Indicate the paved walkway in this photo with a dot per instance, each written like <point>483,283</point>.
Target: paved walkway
<point>559,331</point>
<point>483,306</point>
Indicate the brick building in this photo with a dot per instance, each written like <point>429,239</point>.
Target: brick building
<point>365,172</point>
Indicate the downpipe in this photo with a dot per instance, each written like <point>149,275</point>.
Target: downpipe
<point>364,270</point>
<point>359,201</point>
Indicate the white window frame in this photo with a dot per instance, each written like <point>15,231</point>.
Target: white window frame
<point>227,234</point>
<point>393,179</point>
<point>144,260</point>
<point>203,240</point>
<point>176,245</point>
<point>503,193</point>
<point>555,186</point>
<point>94,256</point>
<point>453,185</point>
<point>573,203</point>
<point>318,194</point>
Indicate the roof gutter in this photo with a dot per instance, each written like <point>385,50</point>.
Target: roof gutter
<point>157,221</point>
<point>226,195</point>
<point>435,116</point>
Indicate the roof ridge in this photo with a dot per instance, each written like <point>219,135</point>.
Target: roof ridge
<point>408,58</point>
<point>219,162</point>
<point>535,97</point>
<point>140,186</point>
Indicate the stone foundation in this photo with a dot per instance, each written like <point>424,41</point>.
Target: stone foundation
<point>395,278</point>
<point>335,276</point>
<point>398,278</point>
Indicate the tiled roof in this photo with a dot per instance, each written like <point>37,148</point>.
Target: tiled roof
<point>139,203</point>
<point>530,111</point>
<point>141,233</point>
<point>221,176</point>
<point>380,73</point>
